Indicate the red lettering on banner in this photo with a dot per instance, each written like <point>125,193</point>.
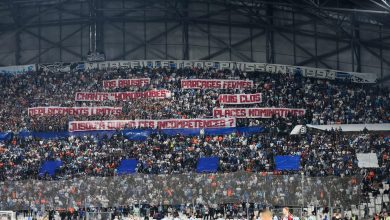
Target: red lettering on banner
<point>79,96</point>
<point>231,122</point>
<point>250,98</point>
<point>123,83</point>
<point>41,111</point>
<point>217,113</point>
<point>184,84</point>
<point>91,111</point>
<point>215,84</point>
<point>240,98</point>
<point>100,111</point>
<point>114,125</point>
<point>228,99</point>
<point>144,124</point>
<point>109,83</point>
<point>52,111</point>
<point>256,112</point>
<point>161,124</point>
<point>122,96</point>
<point>82,96</point>
<point>236,84</point>
<point>32,111</point>
<point>117,111</point>
<point>85,126</point>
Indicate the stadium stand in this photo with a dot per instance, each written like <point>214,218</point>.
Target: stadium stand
<point>30,138</point>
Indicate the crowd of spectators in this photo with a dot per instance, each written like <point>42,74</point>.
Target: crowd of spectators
<point>323,154</point>
<point>326,102</point>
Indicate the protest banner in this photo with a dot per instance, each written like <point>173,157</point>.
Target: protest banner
<point>160,124</point>
<point>121,96</point>
<point>124,83</point>
<point>237,99</point>
<point>256,112</point>
<point>88,111</point>
<point>215,84</point>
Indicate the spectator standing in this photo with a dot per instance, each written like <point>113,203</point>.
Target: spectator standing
<point>266,215</point>
<point>286,214</point>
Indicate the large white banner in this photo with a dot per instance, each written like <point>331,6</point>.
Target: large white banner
<point>243,66</point>
<point>353,127</point>
<point>215,84</point>
<point>161,124</point>
<point>17,69</point>
<point>56,110</point>
<point>124,83</point>
<point>367,160</point>
<point>256,112</point>
<point>237,99</point>
<point>121,96</point>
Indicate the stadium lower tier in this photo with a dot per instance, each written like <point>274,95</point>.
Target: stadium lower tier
<point>324,168</point>
<point>315,154</point>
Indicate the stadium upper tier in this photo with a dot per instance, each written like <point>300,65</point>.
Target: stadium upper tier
<point>185,93</point>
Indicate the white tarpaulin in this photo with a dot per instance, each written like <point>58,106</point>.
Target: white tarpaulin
<point>296,130</point>
<point>367,160</point>
<point>353,127</point>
